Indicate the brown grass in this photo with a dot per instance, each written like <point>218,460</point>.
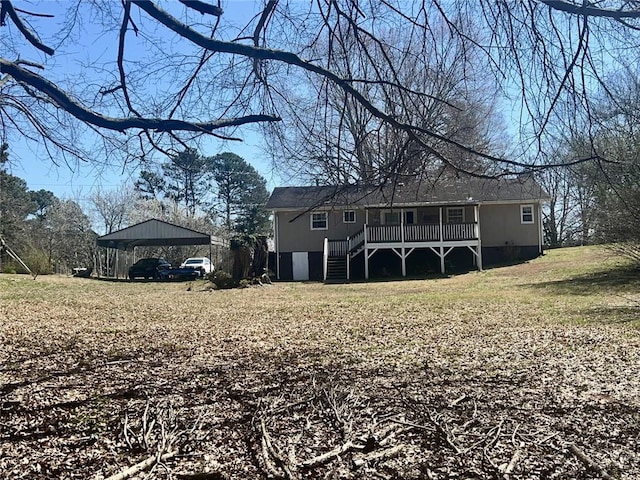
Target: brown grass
<point>483,375</point>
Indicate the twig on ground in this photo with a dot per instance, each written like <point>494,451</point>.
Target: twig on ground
<point>269,466</point>
<point>506,469</point>
<point>377,455</point>
<point>269,450</point>
<point>141,466</point>
<point>445,433</point>
<point>474,417</point>
<point>547,438</point>
<point>580,455</point>
<point>330,455</point>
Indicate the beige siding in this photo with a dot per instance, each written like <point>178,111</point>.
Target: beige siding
<point>500,225</point>
<point>295,234</point>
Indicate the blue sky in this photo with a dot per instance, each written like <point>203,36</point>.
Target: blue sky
<point>78,181</point>
<point>30,162</point>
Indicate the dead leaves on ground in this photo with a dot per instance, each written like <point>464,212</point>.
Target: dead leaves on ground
<point>303,381</point>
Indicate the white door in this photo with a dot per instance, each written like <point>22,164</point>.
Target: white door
<point>300,262</point>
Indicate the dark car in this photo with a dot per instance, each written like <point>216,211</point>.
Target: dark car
<point>149,268</point>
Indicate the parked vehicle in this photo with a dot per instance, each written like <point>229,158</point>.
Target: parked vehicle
<point>180,274</point>
<point>149,268</point>
<point>203,264</point>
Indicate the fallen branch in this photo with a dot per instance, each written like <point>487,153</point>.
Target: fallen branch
<point>580,455</point>
<point>269,466</point>
<point>377,455</point>
<point>506,469</point>
<point>269,450</point>
<point>445,434</point>
<point>328,456</point>
<point>143,465</point>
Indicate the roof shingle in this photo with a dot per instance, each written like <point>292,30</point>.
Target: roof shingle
<point>468,190</point>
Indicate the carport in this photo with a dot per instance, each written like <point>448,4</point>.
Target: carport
<point>155,233</point>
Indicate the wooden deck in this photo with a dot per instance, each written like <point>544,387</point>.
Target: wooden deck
<point>390,236</point>
<point>403,240</point>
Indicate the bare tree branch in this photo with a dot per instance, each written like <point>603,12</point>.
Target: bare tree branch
<point>7,7</point>
<point>584,8</point>
<point>203,7</point>
<point>64,101</point>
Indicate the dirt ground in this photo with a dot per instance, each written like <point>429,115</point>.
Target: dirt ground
<point>523,372</point>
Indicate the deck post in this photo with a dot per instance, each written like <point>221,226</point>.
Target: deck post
<point>441,242</point>
<point>348,255</point>
<point>325,259</point>
<point>402,249</point>
<point>366,254</point>
<point>479,255</point>
<point>277,242</point>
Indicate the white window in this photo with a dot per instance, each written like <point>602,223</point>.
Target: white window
<point>349,216</point>
<point>526,213</point>
<point>392,217</point>
<point>319,221</point>
<point>455,215</point>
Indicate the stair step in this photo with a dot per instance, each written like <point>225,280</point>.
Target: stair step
<point>336,270</point>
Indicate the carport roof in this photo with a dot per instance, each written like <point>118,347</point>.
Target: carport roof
<point>152,232</point>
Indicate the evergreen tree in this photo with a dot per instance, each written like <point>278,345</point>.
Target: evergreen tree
<point>242,194</point>
<point>184,179</point>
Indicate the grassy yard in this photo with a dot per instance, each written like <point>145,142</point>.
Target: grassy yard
<point>527,371</point>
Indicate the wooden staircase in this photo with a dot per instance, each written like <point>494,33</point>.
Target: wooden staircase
<point>336,270</point>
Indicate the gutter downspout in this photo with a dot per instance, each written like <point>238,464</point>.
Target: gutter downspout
<point>540,229</point>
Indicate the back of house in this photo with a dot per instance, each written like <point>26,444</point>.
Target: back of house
<point>339,233</point>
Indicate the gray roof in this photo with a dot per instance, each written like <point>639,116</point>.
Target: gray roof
<point>461,190</point>
<point>153,232</point>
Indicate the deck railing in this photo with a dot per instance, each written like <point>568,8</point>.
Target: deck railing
<point>356,241</point>
<point>394,234</point>
<point>338,248</point>
<point>417,233</point>
<point>422,233</point>
<point>387,233</point>
<point>460,231</point>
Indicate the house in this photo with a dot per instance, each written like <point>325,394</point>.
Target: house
<point>338,233</point>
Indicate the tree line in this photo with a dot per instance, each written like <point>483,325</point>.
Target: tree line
<point>346,92</point>
<point>221,195</point>
<point>598,201</point>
